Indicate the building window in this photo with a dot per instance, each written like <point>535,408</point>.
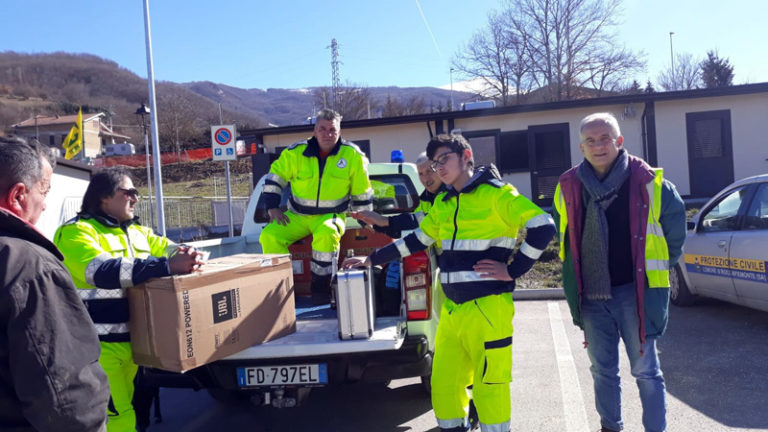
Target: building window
<point>484,146</point>
<point>513,152</point>
<point>51,141</point>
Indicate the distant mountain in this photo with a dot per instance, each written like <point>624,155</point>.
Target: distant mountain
<point>59,83</point>
<point>284,107</point>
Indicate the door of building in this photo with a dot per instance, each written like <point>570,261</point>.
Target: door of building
<point>710,151</point>
<point>549,150</point>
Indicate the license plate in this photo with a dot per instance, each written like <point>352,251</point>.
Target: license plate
<point>282,375</point>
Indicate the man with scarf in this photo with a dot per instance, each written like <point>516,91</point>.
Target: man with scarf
<point>621,227</point>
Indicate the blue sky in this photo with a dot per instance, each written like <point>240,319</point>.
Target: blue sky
<point>271,44</point>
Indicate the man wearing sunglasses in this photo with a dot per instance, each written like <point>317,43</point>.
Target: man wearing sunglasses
<point>476,223</point>
<point>106,251</point>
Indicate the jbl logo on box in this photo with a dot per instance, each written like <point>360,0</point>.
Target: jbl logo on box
<point>226,305</point>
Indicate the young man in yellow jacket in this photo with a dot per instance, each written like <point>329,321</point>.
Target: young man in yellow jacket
<point>476,222</point>
<point>328,177</point>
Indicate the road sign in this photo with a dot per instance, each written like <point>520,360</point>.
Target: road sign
<point>223,142</point>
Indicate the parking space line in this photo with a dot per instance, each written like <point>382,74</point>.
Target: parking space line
<point>573,403</point>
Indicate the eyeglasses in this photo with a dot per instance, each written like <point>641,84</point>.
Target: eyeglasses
<point>441,160</point>
<point>133,193</point>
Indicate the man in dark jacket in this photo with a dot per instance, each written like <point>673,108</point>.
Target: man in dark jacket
<point>621,227</point>
<point>50,377</point>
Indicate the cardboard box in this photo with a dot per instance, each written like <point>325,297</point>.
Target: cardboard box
<point>181,322</point>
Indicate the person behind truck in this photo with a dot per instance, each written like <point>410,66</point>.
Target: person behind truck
<point>328,177</point>
<point>106,252</point>
<point>477,222</point>
<point>50,378</point>
<point>393,226</point>
<point>622,227</point>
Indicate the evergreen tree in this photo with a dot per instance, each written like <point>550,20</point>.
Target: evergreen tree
<point>716,72</point>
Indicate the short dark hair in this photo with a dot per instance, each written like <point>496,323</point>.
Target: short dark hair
<point>103,185</point>
<point>330,115</point>
<point>21,162</point>
<point>455,142</point>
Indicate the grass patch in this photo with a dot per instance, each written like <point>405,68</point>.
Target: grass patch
<point>206,187</point>
<point>546,272</point>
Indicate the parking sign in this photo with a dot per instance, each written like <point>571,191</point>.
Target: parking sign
<point>223,142</point>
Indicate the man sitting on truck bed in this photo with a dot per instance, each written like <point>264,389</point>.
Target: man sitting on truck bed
<point>328,177</point>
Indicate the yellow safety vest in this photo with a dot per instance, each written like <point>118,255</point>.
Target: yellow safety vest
<point>656,250</point>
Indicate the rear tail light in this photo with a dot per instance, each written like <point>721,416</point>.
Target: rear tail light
<point>418,282</point>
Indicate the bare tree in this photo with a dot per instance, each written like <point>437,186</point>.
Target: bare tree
<point>353,101</point>
<point>565,45</point>
<point>177,120</point>
<point>412,105</point>
<point>490,56</point>
<point>685,76</point>
<point>609,73</point>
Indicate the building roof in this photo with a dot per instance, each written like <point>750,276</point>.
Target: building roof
<point>107,132</point>
<point>54,120</point>
<point>580,103</point>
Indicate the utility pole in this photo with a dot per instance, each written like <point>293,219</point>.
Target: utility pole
<point>229,186</point>
<point>335,78</point>
<point>672,60</point>
<point>153,123</point>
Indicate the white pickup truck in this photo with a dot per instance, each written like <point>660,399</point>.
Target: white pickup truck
<point>281,372</point>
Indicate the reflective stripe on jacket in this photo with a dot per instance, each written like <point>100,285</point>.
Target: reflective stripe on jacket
<point>657,231</point>
<point>104,258</point>
<point>334,184</point>
<point>480,222</point>
<point>651,239</point>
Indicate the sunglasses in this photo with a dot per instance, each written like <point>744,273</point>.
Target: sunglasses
<point>133,193</point>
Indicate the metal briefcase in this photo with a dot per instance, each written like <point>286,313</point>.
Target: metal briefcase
<point>355,303</point>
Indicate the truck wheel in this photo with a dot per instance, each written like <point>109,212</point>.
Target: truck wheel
<point>426,381</point>
<point>678,291</point>
<point>228,397</point>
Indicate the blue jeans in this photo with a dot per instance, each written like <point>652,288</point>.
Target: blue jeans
<point>604,322</point>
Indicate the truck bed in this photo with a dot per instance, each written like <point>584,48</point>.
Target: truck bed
<point>317,333</point>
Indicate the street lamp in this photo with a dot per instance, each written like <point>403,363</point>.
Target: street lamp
<point>142,113</point>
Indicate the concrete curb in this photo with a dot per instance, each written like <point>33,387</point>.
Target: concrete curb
<point>539,294</point>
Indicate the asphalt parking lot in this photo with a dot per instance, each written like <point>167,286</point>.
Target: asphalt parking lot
<point>714,357</point>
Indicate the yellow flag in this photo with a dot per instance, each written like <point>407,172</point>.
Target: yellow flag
<point>73,143</point>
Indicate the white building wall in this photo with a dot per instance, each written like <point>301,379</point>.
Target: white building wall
<point>748,114</point>
<point>750,144</point>
<point>68,186</point>
<point>412,138</point>
<point>630,125</point>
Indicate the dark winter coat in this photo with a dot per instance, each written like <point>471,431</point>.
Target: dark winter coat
<point>50,377</point>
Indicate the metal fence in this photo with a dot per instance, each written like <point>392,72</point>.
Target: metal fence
<point>202,214</point>
<point>194,212</point>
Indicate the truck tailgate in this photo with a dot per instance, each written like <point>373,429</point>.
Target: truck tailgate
<point>321,337</point>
